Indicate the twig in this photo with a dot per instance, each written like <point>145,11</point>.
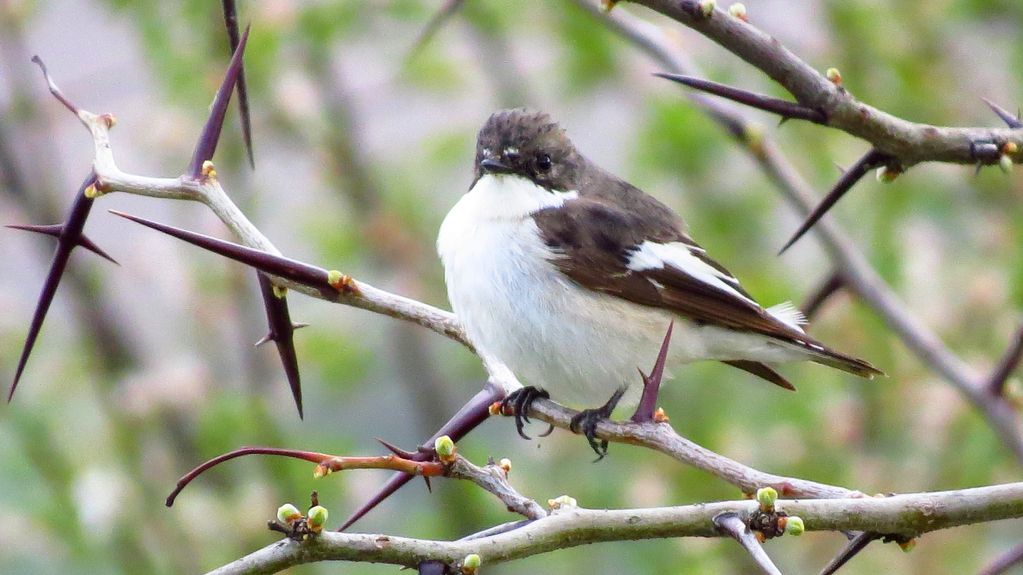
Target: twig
<point>909,142</point>
<point>731,523</point>
<point>846,258</point>
<point>909,515</point>
<point>1003,563</point>
<point>783,108</point>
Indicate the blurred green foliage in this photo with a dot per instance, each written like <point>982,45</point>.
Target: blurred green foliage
<point>91,447</point>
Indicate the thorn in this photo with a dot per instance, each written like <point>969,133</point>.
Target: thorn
<point>1008,363</point>
<point>56,230</point>
<point>88,244</point>
<point>396,450</point>
<point>652,383</point>
<point>783,108</point>
<point>231,22</point>
<point>1013,122</point>
<point>824,291</point>
<point>53,86</point>
<point>71,231</point>
<point>49,230</point>
<point>282,333</point>
<point>265,262</point>
<point>436,22</point>
<point>469,417</point>
<point>210,135</point>
<point>263,340</point>
<point>299,325</point>
<point>855,545</point>
<point>429,487</point>
<point>870,160</point>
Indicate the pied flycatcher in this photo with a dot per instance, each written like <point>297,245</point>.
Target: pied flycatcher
<point>570,276</point>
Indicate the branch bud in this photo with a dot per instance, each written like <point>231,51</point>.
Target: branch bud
<point>834,76</point>
<point>505,464</point>
<point>208,171</point>
<point>471,564</point>
<point>92,192</point>
<point>288,514</point>
<point>794,526</point>
<point>887,174</point>
<point>317,518</point>
<point>707,8</point>
<point>738,10</point>
<point>1005,163</point>
<point>608,5</point>
<point>1010,148</point>
<point>445,449</point>
<point>907,545</point>
<point>280,292</point>
<point>766,496</point>
<point>562,502</point>
<point>321,471</point>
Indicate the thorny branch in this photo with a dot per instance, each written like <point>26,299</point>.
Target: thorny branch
<point>897,515</point>
<point>907,515</point>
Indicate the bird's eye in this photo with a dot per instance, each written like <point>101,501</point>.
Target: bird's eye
<point>543,162</point>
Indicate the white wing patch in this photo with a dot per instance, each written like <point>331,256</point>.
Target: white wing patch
<point>789,315</point>
<point>654,256</point>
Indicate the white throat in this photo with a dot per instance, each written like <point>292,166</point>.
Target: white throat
<point>507,196</point>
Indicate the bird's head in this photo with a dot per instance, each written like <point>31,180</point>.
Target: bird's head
<point>529,144</point>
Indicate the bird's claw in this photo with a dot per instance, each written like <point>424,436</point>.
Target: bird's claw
<point>586,422</point>
<point>520,401</point>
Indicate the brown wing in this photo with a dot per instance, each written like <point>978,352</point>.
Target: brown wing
<point>595,241</point>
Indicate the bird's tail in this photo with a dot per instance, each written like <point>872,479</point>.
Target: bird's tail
<point>847,363</point>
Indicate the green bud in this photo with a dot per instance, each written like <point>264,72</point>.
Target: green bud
<point>562,502</point>
<point>317,518</point>
<point>907,545</point>
<point>445,447</point>
<point>739,11</point>
<point>707,8</point>
<point>887,175</point>
<point>1005,163</point>
<point>766,496</point>
<point>834,76</point>
<point>471,563</point>
<point>794,526</point>
<point>288,514</point>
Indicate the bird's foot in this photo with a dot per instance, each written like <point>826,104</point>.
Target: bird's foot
<point>520,401</point>
<point>586,421</point>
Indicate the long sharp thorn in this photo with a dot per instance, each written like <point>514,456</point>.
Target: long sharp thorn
<point>731,524</point>
<point>871,159</point>
<point>56,229</point>
<point>90,245</point>
<point>282,333</point>
<point>66,242</point>
<point>469,417</point>
<point>1010,360</point>
<point>784,108</point>
<point>231,22</point>
<point>437,21</point>
<point>816,300</point>
<point>855,545</point>
<point>57,93</point>
<point>652,382</point>
<point>48,230</point>
<point>295,270</point>
<point>210,135</point>
<point>396,450</point>
<point>1006,116</point>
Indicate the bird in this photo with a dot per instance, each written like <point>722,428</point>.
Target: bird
<point>570,276</point>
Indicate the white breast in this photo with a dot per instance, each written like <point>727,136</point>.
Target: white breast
<point>516,306</point>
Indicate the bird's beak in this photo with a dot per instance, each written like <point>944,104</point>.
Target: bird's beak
<point>494,167</point>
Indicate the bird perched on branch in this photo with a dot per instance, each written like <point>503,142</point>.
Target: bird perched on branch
<point>570,276</point>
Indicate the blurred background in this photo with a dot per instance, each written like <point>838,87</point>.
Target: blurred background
<point>144,370</point>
